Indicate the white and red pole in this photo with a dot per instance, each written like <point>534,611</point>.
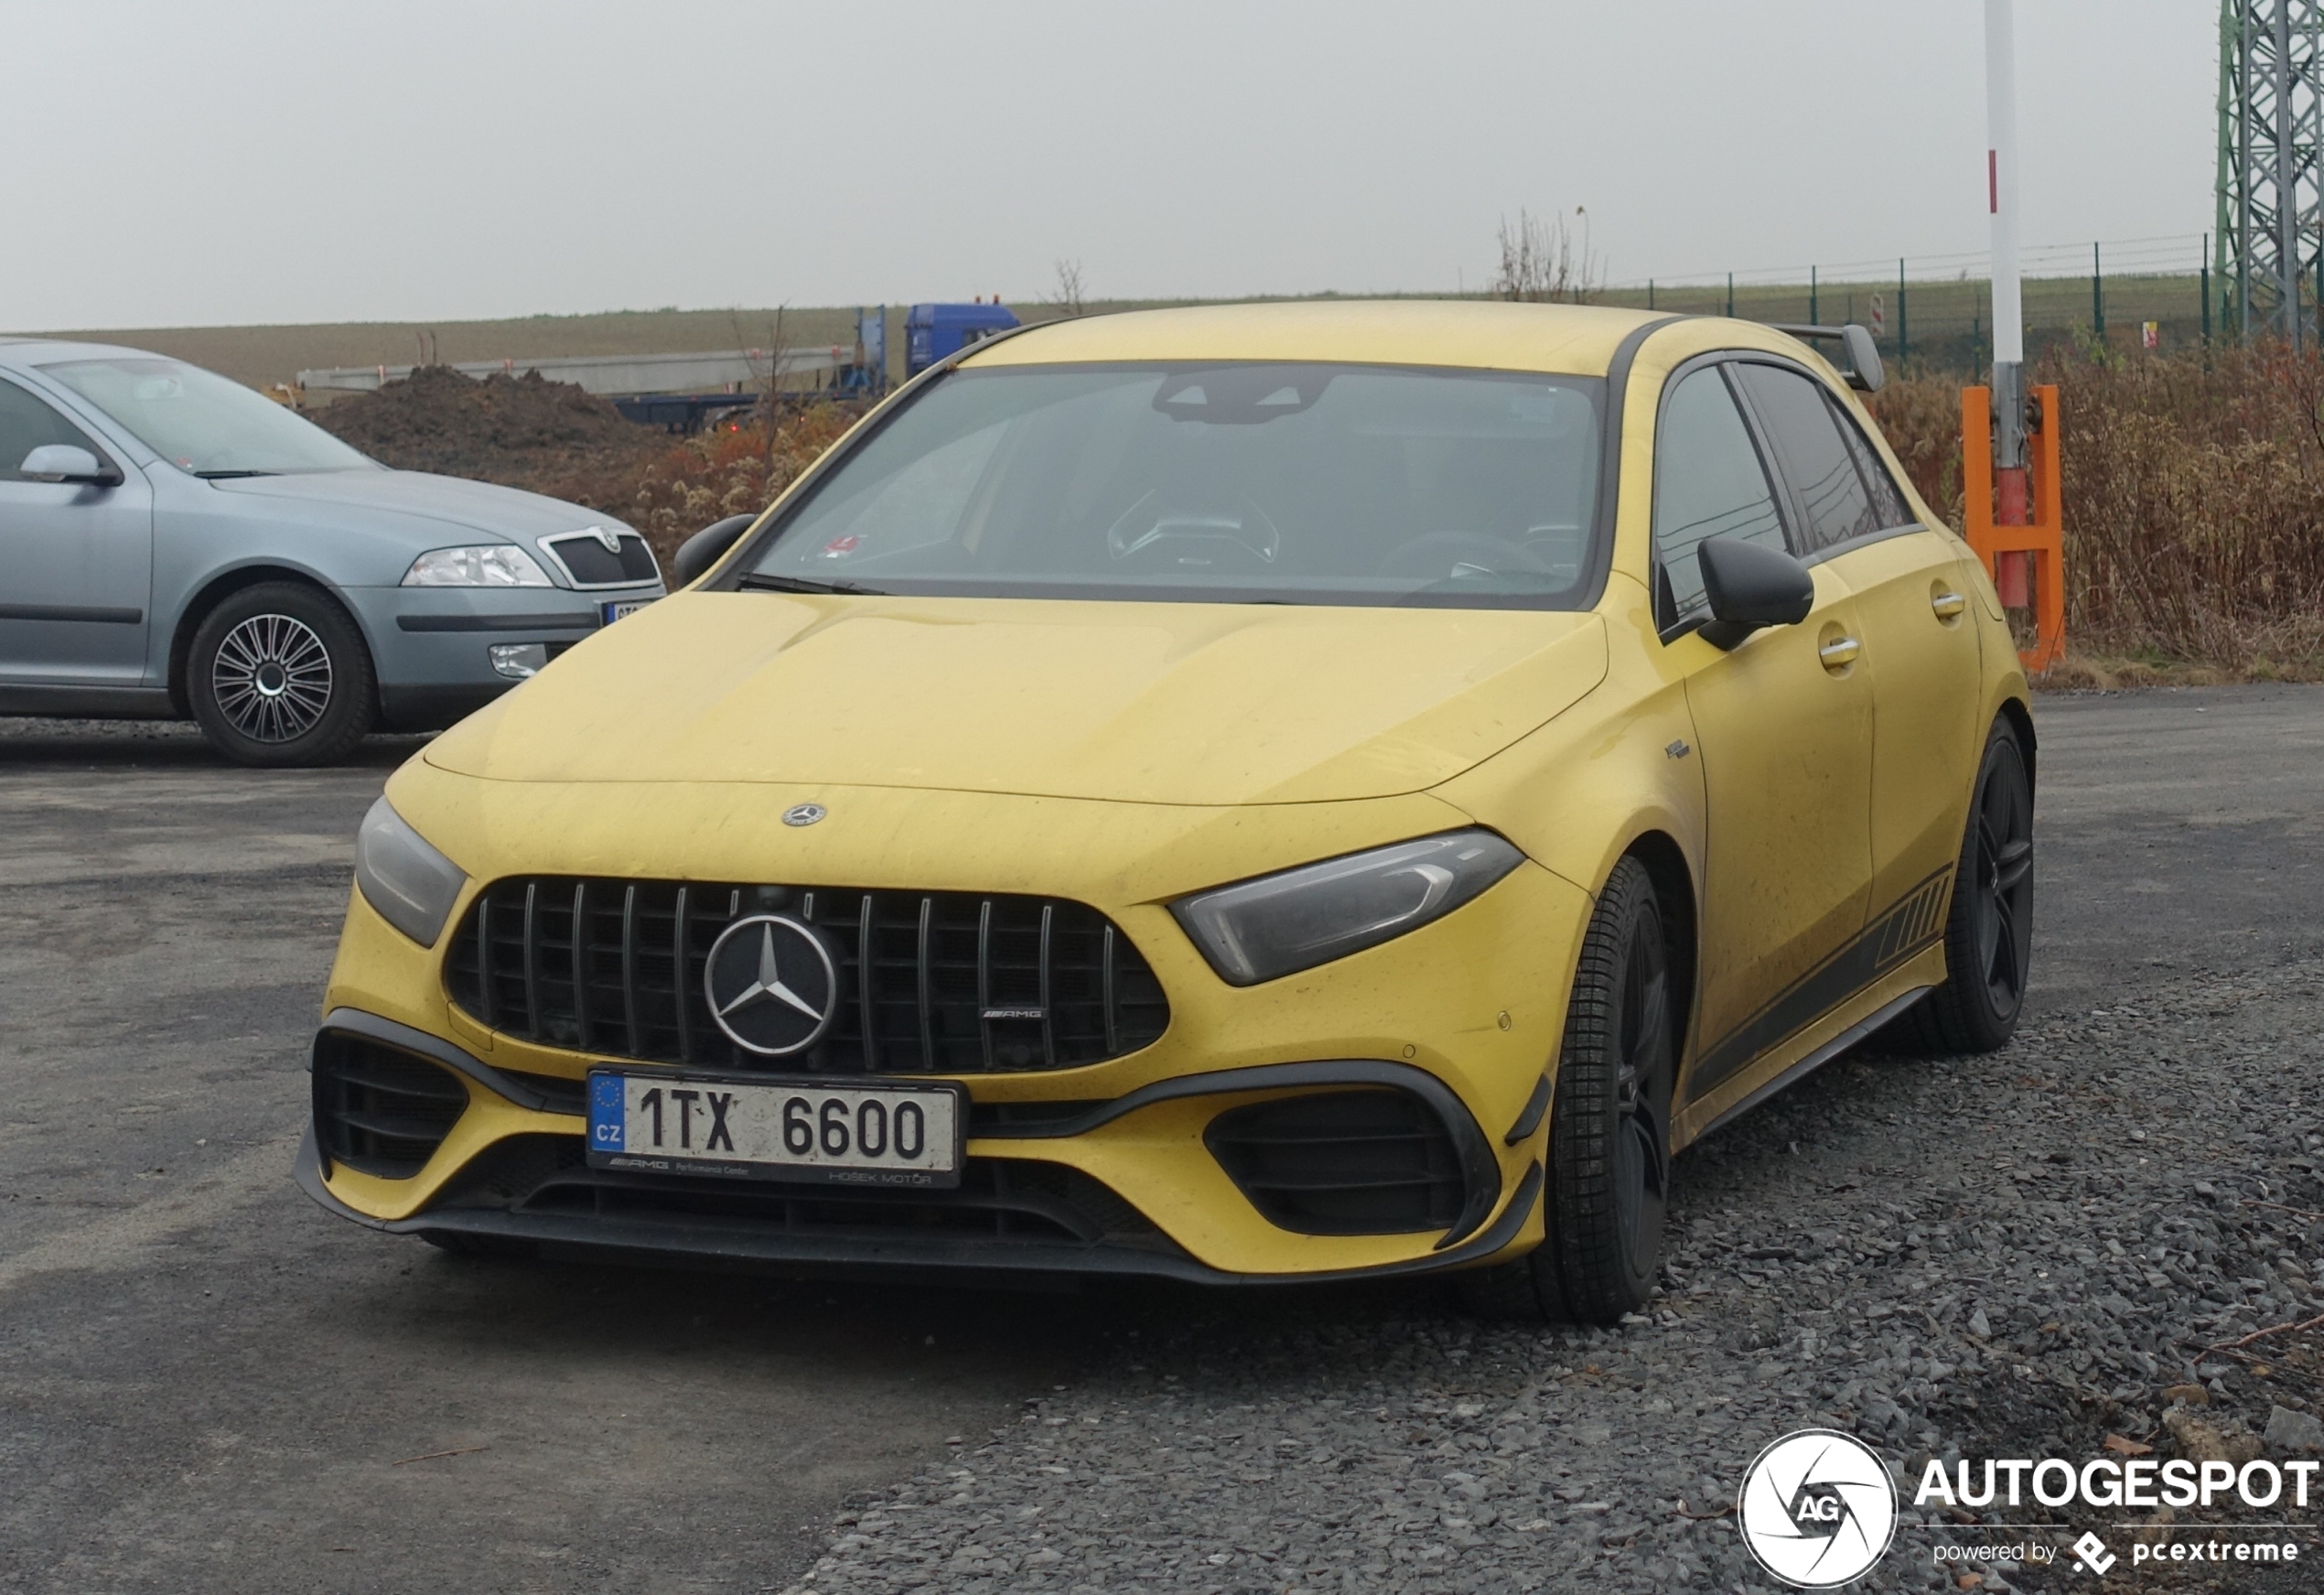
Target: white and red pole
<point>2008,313</point>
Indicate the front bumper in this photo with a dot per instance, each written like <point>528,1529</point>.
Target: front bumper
<point>1461,1017</point>
<point>531,1184</point>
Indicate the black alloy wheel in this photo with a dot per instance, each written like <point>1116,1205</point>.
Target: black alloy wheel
<point>1988,935</point>
<point>278,675</point>
<point>1609,1128</point>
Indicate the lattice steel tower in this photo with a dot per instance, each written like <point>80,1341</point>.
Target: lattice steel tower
<point>2271,124</point>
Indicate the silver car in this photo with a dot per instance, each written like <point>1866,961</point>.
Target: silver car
<point>174,544</point>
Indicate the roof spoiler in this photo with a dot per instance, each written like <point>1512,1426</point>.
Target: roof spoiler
<point>1860,366</point>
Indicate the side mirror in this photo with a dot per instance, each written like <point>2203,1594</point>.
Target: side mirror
<point>708,546</point>
<point>68,462</point>
<point>1752,586</point>
<point>1862,368</point>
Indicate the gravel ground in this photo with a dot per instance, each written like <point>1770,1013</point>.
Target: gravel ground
<point>2003,1256</point>
<point>1880,1252</point>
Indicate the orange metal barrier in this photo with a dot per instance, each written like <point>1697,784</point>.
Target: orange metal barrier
<point>2015,554</point>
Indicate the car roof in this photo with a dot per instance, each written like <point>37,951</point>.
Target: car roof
<point>1489,335</point>
<point>27,352</point>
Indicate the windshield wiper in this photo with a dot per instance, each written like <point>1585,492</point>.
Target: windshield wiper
<point>759,582</point>
<point>219,476</point>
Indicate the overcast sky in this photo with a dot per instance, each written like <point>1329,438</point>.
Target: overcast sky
<point>206,162</point>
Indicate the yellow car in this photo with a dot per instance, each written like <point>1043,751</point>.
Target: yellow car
<point>1255,793</point>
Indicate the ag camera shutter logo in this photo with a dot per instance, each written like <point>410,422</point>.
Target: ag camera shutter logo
<point>1818,1509</point>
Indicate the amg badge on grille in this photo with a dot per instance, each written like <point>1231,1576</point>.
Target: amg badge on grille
<point>772,984</point>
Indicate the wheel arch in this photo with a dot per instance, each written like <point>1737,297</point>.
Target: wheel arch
<point>225,585</point>
<point>1666,866</point>
<point>2020,718</point>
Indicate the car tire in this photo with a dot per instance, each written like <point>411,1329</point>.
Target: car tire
<point>1608,1186</point>
<point>1988,931</point>
<point>278,676</point>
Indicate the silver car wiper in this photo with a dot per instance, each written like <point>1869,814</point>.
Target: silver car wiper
<point>219,476</point>
<point>759,582</point>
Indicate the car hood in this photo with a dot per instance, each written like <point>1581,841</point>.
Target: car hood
<point>1192,704</point>
<point>472,506</point>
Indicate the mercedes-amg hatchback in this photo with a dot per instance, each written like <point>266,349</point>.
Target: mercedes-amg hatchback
<point>1262,793</point>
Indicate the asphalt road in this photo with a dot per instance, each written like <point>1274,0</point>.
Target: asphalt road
<point>206,1383</point>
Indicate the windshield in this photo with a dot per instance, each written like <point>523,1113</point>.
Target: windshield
<point>201,422</point>
<point>1324,484</point>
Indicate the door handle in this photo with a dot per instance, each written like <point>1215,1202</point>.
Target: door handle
<point>1947,603</point>
<point>1839,654</point>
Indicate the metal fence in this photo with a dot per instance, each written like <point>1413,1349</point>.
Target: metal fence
<point>1933,312</point>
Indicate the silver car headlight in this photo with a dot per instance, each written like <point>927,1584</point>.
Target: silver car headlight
<point>1257,930</point>
<point>488,564</point>
<point>411,884</point>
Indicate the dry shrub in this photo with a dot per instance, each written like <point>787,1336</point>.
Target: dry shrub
<point>2194,501</point>
<point>1922,419</point>
<point>733,471</point>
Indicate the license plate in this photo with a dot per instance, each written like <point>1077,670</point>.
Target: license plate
<point>795,1129</point>
<point>621,608</point>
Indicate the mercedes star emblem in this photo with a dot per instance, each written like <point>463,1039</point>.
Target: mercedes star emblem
<point>803,814</point>
<point>772,984</point>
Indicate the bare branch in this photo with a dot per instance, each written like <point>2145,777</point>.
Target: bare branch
<point>1541,261</point>
<point>1068,295</point>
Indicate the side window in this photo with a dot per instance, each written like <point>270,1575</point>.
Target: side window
<point>1889,505</point>
<point>1814,456</point>
<point>1708,482</point>
<point>27,423</point>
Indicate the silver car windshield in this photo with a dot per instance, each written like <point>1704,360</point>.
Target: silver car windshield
<point>201,422</point>
<point>1255,483</point>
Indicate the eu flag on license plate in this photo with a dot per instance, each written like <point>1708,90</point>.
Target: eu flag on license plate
<point>605,1119</point>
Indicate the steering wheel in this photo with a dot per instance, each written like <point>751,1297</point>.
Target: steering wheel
<point>1435,557</point>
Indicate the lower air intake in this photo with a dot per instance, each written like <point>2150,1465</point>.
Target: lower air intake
<point>1342,1162</point>
<point>379,1110</point>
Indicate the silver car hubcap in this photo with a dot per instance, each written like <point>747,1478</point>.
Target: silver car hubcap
<point>272,678</point>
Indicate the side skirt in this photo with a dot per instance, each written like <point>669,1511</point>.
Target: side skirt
<point>1817,1059</point>
<point>1903,929</point>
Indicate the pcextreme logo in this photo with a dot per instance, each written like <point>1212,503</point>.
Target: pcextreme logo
<point>1818,1509</point>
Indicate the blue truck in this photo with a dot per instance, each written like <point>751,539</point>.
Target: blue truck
<point>933,331</point>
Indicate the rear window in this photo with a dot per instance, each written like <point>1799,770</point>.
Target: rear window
<point>1247,482</point>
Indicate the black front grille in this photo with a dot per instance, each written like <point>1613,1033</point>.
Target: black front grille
<point>999,1199</point>
<point>931,982</point>
<point>381,1111</point>
<point>591,564</point>
<point>1342,1162</point>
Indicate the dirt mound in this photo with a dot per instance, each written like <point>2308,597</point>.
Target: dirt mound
<point>522,432</point>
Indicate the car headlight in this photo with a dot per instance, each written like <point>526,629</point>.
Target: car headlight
<point>1257,930</point>
<point>411,884</point>
<point>488,564</point>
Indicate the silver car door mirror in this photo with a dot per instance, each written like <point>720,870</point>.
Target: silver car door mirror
<point>67,462</point>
